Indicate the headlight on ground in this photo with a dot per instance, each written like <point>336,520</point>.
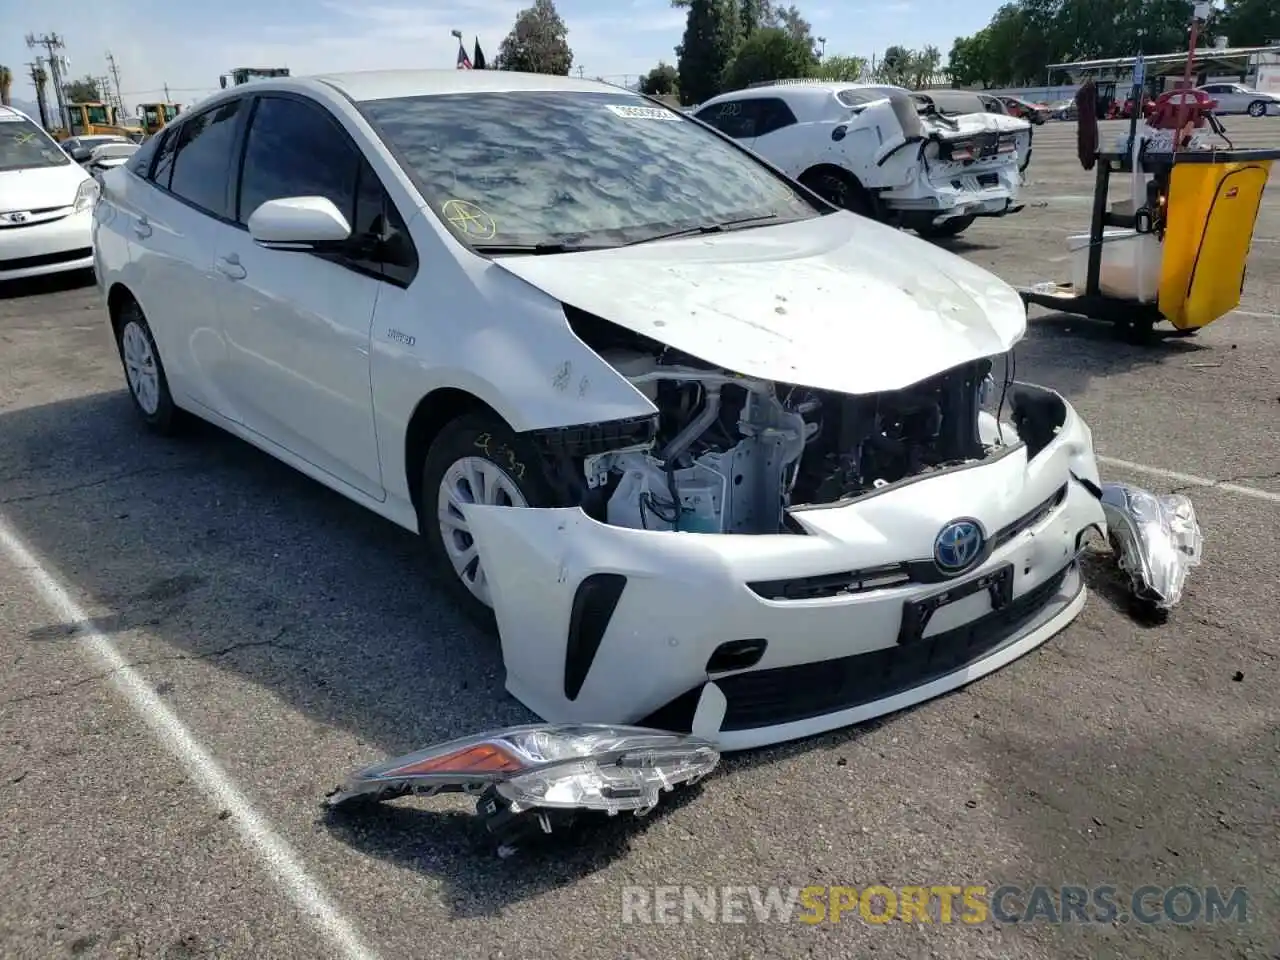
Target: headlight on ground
<point>525,775</point>
<point>87,195</point>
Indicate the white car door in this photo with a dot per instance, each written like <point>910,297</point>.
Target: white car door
<point>297,323</point>
<point>171,218</point>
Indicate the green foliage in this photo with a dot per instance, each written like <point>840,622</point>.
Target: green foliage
<point>839,67</point>
<point>711,35</point>
<point>82,90</point>
<point>772,53</point>
<point>662,80</point>
<point>908,68</point>
<point>537,43</point>
<point>1025,36</point>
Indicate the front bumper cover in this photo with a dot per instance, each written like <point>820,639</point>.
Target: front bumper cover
<point>610,624</point>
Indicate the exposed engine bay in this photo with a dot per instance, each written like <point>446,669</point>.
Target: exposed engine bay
<point>733,454</point>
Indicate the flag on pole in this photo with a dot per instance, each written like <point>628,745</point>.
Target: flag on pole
<point>464,62</point>
<point>478,61</point>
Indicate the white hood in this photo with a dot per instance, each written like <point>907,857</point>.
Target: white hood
<point>974,123</point>
<point>838,302</point>
<point>36,188</point>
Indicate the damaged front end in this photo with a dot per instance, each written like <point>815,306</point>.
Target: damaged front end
<point>733,454</point>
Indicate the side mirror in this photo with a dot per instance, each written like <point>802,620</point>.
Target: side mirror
<point>298,223</point>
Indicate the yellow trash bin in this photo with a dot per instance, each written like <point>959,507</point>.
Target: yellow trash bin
<point>1212,208</point>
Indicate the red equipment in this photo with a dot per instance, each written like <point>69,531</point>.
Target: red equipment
<point>1175,109</point>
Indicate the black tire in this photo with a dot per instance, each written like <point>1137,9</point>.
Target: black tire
<point>947,228</point>
<point>840,189</point>
<point>486,437</point>
<point>159,413</point>
<point>1258,108</point>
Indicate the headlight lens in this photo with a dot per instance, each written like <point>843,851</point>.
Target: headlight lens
<point>87,195</point>
<point>558,766</point>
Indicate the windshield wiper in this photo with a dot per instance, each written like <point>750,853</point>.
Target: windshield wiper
<point>537,249</point>
<point>720,226</point>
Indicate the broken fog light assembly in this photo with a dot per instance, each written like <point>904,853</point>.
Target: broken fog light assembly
<point>524,775</point>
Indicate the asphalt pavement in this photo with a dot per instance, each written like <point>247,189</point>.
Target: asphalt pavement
<point>199,643</point>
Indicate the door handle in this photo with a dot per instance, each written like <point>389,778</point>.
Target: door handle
<point>141,227</point>
<point>230,268</point>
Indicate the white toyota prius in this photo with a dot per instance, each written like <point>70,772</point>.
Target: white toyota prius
<point>711,454</point>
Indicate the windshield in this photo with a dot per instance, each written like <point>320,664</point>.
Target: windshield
<point>24,145</point>
<point>98,116</point>
<point>515,169</point>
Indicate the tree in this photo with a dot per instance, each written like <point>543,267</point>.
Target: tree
<point>840,67</point>
<point>662,80</point>
<point>922,65</point>
<point>1249,23</point>
<point>6,86</point>
<point>894,65</point>
<point>769,54</point>
<point>967,63</point>
<point>81,91</point>
<point>537,42</point>
<point>710,38</point>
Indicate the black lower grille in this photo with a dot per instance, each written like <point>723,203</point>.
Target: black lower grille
<point>46,259</point>
<point>786,694</point>
<point>765,698</point>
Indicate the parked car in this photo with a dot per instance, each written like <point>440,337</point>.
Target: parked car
<point>1237,98</point>
<point>46,202</point>
<point>658,412</point>
<point>79,148</point>
<point>1063,110</point>
<point>106,156</point>
<point>1036,113</point>
<point>880,150</point>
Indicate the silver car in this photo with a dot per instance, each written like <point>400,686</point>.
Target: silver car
<point>1237,98</point>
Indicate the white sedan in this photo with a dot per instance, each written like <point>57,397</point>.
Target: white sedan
<point>46,203</point>
<point>713,454</point>
<point>1237,98</point>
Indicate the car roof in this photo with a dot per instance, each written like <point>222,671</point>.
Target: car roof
<point>12,113</point>
<point>385,84</point>
<point>823,89</point>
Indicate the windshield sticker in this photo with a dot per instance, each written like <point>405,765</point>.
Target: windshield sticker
<point>11,118</point>
<point>469,220</point>
<point>24,138</point>
<point>642,113</point>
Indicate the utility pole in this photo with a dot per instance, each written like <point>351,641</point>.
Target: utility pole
<point>53,44</point>
<point>115,75</point>
<point>38,78</point>
<point>167,98</point>
<point>580,70</point>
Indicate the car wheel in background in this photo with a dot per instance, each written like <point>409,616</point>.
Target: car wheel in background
<point>947,228</point>
<point>1258,108</point>
<point>839,188</point>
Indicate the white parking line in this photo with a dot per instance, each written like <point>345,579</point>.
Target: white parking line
<point>271,849</point>
<point>1191,479</point>
<point>1257,314</point>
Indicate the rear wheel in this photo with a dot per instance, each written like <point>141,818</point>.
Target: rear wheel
<point>144,373</point>
<point>947,228</point>
<point>1258,108</point>
<point>840,189</point>
<point>476,459</point>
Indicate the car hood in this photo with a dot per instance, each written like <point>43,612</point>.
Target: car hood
<point>837,302</point>
<point>972,124</point>
<point>37,188</point>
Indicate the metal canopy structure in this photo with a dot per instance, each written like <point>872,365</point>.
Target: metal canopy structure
<point>1162,63</point>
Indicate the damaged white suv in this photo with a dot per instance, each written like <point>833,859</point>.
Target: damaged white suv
<point>932,161</point>
<point>719,456</point>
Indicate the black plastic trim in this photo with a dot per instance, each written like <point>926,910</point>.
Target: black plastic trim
<point>594,602</point>
<point>589,439</point>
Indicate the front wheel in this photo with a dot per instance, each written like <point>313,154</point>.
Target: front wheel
<point>947,228</point>
<point>1258,108</point>
<point>476,459</point>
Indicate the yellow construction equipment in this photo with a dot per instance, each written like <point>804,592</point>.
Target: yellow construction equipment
<point>94,118</point>
<point>156,115</point>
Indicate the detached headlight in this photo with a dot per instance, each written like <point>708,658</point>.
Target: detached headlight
<point>525,774</point>
<point>87,195</point>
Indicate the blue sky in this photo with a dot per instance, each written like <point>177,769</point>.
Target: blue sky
<point>188,44</point>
